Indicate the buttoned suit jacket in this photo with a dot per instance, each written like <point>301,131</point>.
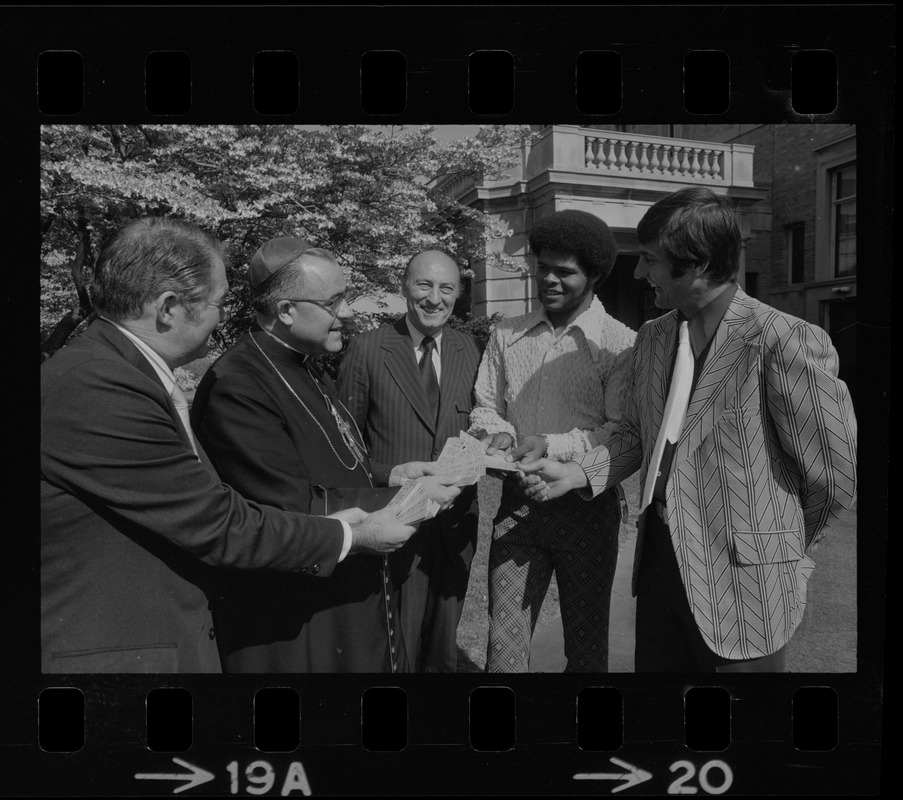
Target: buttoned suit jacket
<point>132,522</point>
<point>379,382</point>
<point>765,460</point>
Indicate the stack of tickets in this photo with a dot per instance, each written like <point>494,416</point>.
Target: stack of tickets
<point>414,503</point>
<point>466,456</point>
<point>462,455</point>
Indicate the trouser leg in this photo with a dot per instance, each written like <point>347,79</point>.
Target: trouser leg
<point>519,577</point>
<point>584,556</point>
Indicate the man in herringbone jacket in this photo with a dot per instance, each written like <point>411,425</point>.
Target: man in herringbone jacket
<point>764,460</point>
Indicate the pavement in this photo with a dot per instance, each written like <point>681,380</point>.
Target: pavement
<point>824,642</point>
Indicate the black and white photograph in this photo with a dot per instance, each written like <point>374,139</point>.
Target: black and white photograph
<point>530,256</point>
<point>395,439</point>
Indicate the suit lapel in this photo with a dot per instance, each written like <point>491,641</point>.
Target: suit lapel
<point>109,335</point>
<point>731,352</point>
<point>452,374</point>
<point>657,362</point>
<point>401,365</point>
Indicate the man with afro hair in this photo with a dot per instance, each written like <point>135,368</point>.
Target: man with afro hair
<point>551,384</point>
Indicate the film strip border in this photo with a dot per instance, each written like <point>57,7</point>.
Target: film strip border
<point>276,82</point>
<point>601,64</point>
<point>362,736</point>
<point>461,64</point>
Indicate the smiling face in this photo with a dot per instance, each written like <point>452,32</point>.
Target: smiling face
<point>686,292</point>
<point>565,290</point>
<point>430,288</point>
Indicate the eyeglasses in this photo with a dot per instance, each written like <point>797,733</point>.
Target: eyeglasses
<point>333,306</point>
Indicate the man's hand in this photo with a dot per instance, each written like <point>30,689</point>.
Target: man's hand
<point>545,479</point>
<point>530,449</point>
<point>379,532</point>
<point>408,471</point>
<point>497,443</point>
<point>442,489</point>
<point>349,515</point>
<point>411,470</point>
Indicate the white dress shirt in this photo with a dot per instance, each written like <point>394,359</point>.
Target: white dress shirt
<point>417,338</point>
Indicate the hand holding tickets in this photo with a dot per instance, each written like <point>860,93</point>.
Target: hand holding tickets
<point>466,456</point>
<point>462,462</point>
<point>423,498</point>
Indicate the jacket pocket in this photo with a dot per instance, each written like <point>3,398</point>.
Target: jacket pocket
<point>767,547</point>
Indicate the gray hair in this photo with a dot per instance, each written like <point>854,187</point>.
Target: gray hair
<point>148,257</point>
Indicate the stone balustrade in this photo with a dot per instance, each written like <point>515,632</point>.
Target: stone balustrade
<point>640,156</point>
<point>616,154</point>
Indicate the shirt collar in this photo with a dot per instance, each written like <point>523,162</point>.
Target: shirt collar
<point>591,323</point>
<point>156,360</point>
<point>417,337</point>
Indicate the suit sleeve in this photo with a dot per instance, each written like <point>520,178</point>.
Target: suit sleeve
<point>619,452</point>
<point>815,424</point>
<point>108,436</point>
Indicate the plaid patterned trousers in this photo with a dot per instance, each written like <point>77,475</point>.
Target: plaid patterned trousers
<point>575,538</point>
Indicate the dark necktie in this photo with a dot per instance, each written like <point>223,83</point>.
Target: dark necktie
<point>428,374</point>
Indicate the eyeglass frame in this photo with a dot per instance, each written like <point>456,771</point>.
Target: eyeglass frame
<point>332,306</point>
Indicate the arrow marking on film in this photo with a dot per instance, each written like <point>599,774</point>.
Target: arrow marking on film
<point>632,777</point>
<point>196,777</point>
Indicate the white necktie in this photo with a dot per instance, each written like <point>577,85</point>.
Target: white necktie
<point>675,408</point>
<point>181,404</point>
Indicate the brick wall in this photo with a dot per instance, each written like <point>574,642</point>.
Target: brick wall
<point>785,160</point>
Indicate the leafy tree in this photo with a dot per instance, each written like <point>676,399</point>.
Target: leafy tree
<point>369,195</point>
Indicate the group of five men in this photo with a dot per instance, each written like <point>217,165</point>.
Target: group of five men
<point>268,512</point>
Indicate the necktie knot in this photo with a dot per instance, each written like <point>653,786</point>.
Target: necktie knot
<point>428,345</point>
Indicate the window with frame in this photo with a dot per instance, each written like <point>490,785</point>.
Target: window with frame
<point>843,221</point>
<point>796,250</point>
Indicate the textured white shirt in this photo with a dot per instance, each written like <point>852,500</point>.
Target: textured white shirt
<point>569,388</point>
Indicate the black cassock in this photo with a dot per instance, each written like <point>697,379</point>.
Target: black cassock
<point>261,416</point>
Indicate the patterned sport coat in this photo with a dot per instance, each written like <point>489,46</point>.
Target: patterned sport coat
<point>766,459</point>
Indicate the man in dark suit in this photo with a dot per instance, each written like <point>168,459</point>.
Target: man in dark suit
<point>746,439</point>
<point>274,428</point>
<point>409,386</point>
<point>132,515</point>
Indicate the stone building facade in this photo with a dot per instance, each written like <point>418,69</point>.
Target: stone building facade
<point>794,187</point>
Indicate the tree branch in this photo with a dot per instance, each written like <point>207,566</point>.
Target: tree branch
<point>73,318</point>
